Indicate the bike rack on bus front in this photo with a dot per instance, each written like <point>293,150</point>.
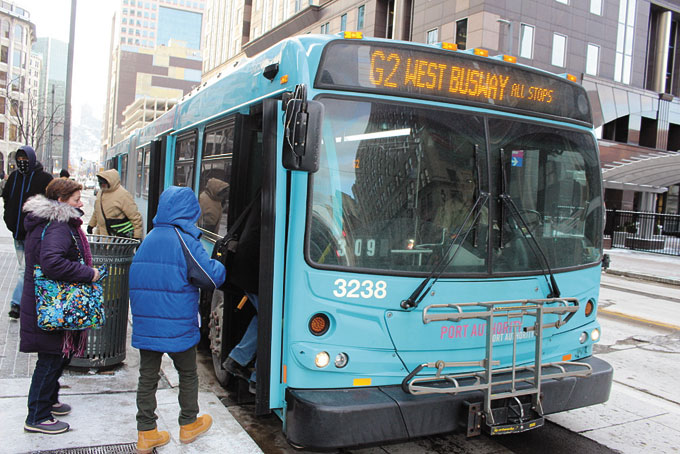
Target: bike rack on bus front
<point>489,379</point>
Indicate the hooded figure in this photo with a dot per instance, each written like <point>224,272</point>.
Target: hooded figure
<point>211,204</point>
<point>28,180</point>
<point>116,202</point>
<point>166,273</point>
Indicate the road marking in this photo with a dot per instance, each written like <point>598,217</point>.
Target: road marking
<point>639,319</point>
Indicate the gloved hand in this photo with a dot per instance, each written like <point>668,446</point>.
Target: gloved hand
<point>89,229</point>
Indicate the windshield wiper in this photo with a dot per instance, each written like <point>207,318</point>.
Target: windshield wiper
<point>439,267</point>
<point>533,244</point>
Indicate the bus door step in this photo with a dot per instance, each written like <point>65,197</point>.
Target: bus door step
<point>512,418</point>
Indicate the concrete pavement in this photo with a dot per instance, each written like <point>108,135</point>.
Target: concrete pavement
<point>103,402</point>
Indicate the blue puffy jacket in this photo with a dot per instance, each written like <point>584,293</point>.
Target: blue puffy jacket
<point>166,273</point>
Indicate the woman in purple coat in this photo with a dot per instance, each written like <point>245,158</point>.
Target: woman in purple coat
<point>55,241</point>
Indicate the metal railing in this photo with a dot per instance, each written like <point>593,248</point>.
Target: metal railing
<point>643,231</point>
<point>498,383</point>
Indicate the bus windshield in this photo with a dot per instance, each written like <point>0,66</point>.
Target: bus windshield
<point>399,183</point>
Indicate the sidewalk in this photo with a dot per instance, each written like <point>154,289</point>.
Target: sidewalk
<point>103,401</point>
<point>648,266</point>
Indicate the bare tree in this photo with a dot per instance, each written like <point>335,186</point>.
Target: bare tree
<point>36,118</point>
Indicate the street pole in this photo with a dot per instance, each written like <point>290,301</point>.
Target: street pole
<point>50,144</point>
<point>69,82</point>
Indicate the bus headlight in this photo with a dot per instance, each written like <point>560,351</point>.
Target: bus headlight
<point>341,360</point>
<point>595,335</point>
<point>322,359</point>
<point>583,337</point>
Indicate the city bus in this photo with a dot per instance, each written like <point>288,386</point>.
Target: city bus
<point>430,234</point>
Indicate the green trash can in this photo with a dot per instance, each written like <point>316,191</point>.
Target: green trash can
<point>106,345</point>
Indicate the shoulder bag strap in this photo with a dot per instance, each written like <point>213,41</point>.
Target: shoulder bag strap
<point>101,207</point>
<point>242,217</point>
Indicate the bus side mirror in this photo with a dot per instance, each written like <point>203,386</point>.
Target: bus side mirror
<point>302,135</point>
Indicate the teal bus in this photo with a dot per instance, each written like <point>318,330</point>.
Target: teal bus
<point>429,241</point>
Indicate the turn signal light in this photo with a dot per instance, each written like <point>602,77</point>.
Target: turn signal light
<point>481,52</point>
<point>572,78</point>
<point>590,306</point>
<point>319,324</point>
<point>284,79</point>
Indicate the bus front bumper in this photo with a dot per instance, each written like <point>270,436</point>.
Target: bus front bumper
<point>327,419</point>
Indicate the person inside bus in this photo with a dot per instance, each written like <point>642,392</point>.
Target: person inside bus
<point>213,201</point>
<point>114,203</point>
<point>455,205</point>
<point>244,274</point>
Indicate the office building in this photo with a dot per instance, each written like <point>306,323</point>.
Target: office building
<point>17,81</point>
<point>155,54</point>
<point>52,100</point>
<point>625,52</point>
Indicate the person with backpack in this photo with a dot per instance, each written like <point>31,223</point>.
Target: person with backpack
<point>115,211</point>
<point>27,180</point>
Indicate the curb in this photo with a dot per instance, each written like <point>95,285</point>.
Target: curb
<point>644,277</point>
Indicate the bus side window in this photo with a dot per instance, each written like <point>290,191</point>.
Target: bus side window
<point>185,153</point>
<point>215,178</point>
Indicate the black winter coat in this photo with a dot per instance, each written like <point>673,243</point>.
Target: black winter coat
<point>18,189</point>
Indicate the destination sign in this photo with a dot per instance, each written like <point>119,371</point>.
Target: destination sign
<point>401,70</point>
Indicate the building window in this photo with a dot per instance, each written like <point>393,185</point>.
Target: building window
<point>325,27</point>
<point>592,59</point>
<point>2,105</point>
<point>343,22</point>
<point>432,36</point>
<point>5,28</point>
<point>19,33</point>
<point>624,41</point>
<point>2,130</point>
<point>596,7</point>
<point>4,54</point>
<point>3,76</point>
<point>559,50</point>
<point>360,17</point>
<point>461,34</point>
<point>526,41</point>
<point>12,132</point>
<point>566,2</point>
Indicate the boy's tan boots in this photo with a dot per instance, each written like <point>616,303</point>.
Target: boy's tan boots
<point>149,439</point>
<point>189,432</point>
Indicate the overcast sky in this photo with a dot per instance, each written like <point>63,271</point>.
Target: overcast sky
<point>91,53</point>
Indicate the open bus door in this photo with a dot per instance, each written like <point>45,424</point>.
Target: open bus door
<point>156,179</point>
<point>259,161</point>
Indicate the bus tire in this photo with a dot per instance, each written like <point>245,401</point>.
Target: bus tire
<point>216,336</point>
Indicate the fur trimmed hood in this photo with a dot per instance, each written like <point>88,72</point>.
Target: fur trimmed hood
<point>51,210</point>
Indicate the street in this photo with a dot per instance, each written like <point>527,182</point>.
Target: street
<point>640,338</point>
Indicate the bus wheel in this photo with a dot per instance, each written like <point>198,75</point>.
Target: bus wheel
<point>215,325</point>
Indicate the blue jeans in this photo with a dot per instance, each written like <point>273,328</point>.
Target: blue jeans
<point>19,288</point>
<point>44,390</point>
<point>245,351</point>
